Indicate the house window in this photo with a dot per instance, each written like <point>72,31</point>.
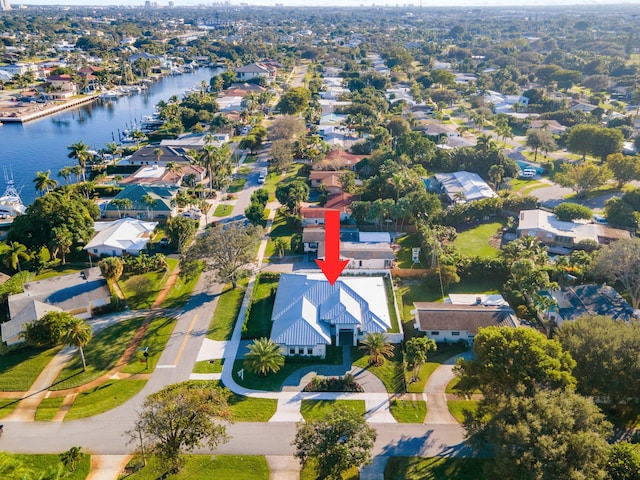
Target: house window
<point>309,351</point>
<point>301,351</point>
<point>313,244</point>
<point>387,264</point>
<point>95,250</point>
<point>292,351</point>
<point>360,263</point>
<point>455,334</point>
<point>435,333</point>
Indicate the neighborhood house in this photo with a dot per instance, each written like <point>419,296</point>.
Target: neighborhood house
<point>308,312</point>
<point>127,235</point>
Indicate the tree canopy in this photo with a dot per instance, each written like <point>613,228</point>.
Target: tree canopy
<point>620,262</point>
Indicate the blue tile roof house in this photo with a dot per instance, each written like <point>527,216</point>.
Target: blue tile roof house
<point>308,312</point>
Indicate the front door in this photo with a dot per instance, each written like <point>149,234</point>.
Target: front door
<point>345,337</point>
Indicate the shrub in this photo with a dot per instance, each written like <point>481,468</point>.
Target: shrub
<point>347,383</point>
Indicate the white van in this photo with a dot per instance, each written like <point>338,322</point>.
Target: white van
<point>527,173</point>
<point>262,175</point>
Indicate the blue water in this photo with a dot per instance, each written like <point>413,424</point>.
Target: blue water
<point>42,144</point>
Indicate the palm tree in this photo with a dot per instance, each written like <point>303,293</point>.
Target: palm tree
<point>217,160</point>
<point>44,183</point>
<point>416,353</point>
<point>77,334</point>
<point>485,143</point>
<point>78,171</point>
<point>150,203</point>
<point>65,172</point>
<point>378,347</point>
<point>172,167</point>
<point>158,153</point>
<point>113,148</point>
<point>80,151</point>
<point>12,253</point>
<point>264,357</point>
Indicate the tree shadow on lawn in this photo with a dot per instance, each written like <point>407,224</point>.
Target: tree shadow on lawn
<point>420,446</point>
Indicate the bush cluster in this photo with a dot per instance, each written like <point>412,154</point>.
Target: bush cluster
<point>347,383</point>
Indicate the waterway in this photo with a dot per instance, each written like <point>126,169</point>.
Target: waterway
<point>42,144</point>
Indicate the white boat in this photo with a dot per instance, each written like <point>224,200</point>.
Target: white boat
<point>10,203</point>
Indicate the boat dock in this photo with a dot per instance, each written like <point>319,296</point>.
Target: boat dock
<point>10,112</point>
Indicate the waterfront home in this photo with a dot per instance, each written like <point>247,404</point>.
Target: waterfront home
<point>448,322</point>
<point>124,236</point>
<point>309,313</point>
<point>60,87</point>
<point>78,293</point>
<point>196,141</point>
<point>160,175</point>
<point>150,155</point>
<point>255,70</point>
<point>147,202</point>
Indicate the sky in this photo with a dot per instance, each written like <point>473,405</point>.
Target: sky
<point>344,3</point>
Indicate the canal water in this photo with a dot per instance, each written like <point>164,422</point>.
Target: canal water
<point>42,144</point>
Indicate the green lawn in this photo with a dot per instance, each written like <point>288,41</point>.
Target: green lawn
<point>245,170</point>
<point>388,286</point>
<point>280,229</point>
<point>390,372</point>
<point>7,405</point>
<point>435,468</point>
<point>273,382</point>
<point>226,312</point>
<point>101,353</point>
<point>209,366</point>
<point>258,323</point>
<point>41,464</point>
<point>435,359</point>
<point>155,339</point>
<point>48,408</point>
<point>140,291</point>
<point>605,190</point>
<point>322,409</point>
<point>249,409</point>
<point>180,293</point>
<point>250,159</point>
<point>104,398</point>
<point>222,210</point>
<point>404,256</point>
<point>20,368</point>
<point>208,467</point>
<point>451,386</point>
<point>237,184</point>
<point>475,241</point>
<point>526,186</point>
<point>458,407</point>
<point>408,411</point>
<point>309,472</point>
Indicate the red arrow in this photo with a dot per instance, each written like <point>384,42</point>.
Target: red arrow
<point>332,266</point>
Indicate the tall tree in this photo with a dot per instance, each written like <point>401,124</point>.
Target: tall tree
<point>291,195</point>
<point>336,443</point>
<point>80,151</point>
<point>44,182</point>
<point>550,434</point>
<point>264,357</point>
<point>228,250</point>
<point>112,268</point>
<point>417,350</point>
<point>620,262</point>
<point>180,418</point>
<point>539,139</point>
<point>582,178</point>
<point>505,358</point>
<point>77,333</point>
<point>624,168</point>
<point>12,253</point>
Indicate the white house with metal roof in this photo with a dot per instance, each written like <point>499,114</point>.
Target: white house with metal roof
<point>462,187</point>
<point>308,312</point>
<point>127,235</point>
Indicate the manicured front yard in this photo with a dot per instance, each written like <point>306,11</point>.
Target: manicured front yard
<point>20,368</point>
<point>259,322</point>
<point>103,398</point>
<point>458,407</point>
<point>390,372</point>
<point>249,409</point>
<point>222,210</point>
<point>280,229</point>
<point>207,467</point>
<point>475,241</point>
<point>435,359</point>
<point>226,312</point>
<point>435,468</point>
<point>48,408</point>
<point>408,411</point>
<point>322,409</point>
<point>40,464</point>
<point>7,406</point>
<point>155,339</point>
<point>273,381</point>
<point>309,472</point>
<point>237,184</point>
<point>140,291</point>
<point>180,293</point>
<point>101,353</point>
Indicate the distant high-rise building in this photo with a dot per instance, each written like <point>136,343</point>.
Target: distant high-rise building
<point>4,5</point>
<point>147,4</point>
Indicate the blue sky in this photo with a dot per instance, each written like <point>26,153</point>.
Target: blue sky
<point>353,3</point>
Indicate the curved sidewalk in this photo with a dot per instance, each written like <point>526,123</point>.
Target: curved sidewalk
<point>435,389</point>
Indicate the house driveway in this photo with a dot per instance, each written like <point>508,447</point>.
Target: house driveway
<point>437,407</point>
